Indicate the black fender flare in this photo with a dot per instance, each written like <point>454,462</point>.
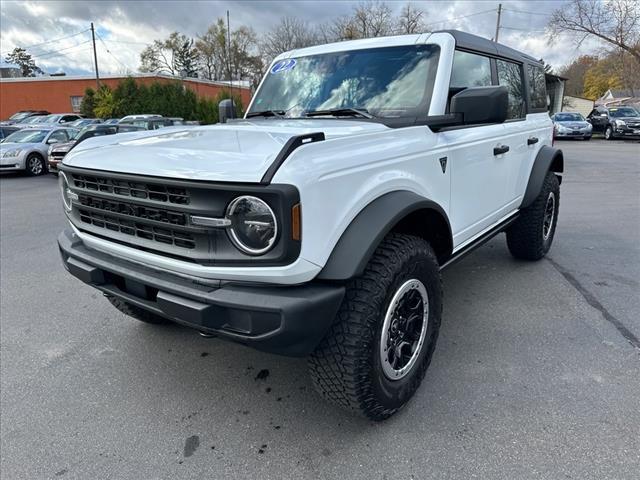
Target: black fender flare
<point>548,158</point>
<point>359,241</point>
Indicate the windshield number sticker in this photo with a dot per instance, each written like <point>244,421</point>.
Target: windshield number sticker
<point>283,65</point>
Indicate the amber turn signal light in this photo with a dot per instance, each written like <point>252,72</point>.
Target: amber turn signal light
<point>295,222</point>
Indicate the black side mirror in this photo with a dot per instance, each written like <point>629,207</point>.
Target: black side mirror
<point>226,110</point>
<point>479,105</point>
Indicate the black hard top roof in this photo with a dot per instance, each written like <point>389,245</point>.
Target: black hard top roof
<point>468,41</point>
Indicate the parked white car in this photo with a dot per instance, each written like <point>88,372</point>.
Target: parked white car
<point>26,149</point>
<point>319,224</point>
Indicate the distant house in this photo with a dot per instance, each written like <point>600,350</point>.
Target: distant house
<point>9,70</point>
<point>555,91</point>
<point>620,97</point>
<point>577,104</point>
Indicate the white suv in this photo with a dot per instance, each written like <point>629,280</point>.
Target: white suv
<point>318,225</point>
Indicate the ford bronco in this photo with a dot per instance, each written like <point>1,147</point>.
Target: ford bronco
<point>319,224</point>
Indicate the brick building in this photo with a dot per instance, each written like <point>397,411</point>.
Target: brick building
<point>64,94</point>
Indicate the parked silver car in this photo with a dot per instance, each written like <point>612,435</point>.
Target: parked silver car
<point>27,149</point>
<point>571,125</point>
<point>58,119</point>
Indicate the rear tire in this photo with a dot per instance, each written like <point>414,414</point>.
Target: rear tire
<point>137,312</point>
<point>531,235</point>
<point>34,165</point>
<point>373,359</point>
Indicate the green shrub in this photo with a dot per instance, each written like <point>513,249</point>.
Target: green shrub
<point>167,99</point>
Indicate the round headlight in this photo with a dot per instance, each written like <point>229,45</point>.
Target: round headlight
<point>253,226</point>
<point>65,190</point>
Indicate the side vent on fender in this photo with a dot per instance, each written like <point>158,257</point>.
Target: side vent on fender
<point>287,149</point>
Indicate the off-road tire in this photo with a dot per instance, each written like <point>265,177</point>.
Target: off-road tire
<point>137,312</point>
<point>346,367</point>
<point>525,237</point>
<point>30,170</point>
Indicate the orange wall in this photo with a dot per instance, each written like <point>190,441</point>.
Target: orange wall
<point>55,95</point>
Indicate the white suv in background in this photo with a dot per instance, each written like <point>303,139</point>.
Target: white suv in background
<point>319,224</point>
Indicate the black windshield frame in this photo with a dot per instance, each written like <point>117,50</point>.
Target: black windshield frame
<point>419,111</point>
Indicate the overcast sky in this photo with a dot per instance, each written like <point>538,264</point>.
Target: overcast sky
<point>127,25</point>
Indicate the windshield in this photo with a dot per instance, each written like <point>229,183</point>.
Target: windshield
<point>568,117</point>
<point>49,119</point>
<point>34,119</point>
<point>623,112</point>
<point>385,82</point>
<point>19,115</point>
<point>27,136</point>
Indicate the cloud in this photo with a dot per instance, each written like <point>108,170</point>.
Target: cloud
<point>126,26</point>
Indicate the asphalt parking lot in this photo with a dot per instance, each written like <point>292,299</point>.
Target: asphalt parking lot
<point>536,373</point>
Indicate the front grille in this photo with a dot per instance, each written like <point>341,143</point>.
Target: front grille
<point>138,229</point>
<point>125,188</point>
<point>134,211</point>
<point>58,155</point>
<point>153,214</point>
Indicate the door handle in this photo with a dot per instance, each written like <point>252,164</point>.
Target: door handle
<point>532,140</point>
<point>500,149</point>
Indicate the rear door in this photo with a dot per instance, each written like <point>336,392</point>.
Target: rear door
<point>517,132</point>
<point>480,157</point>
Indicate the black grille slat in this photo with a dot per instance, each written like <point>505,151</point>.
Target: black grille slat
<point>138,229</point>
<point>134,210</point>
<point>141,190</point>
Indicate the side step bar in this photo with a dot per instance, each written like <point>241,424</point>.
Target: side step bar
<point>478,242</point>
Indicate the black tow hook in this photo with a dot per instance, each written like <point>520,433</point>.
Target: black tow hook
<point>206,334</point>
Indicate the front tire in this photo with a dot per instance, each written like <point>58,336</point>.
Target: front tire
<point>531,235</point>
<point>375,355</point>
<point>608,133</point>
<point>35,165</point>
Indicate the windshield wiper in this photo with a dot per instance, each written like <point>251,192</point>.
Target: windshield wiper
<point>340,112</point>
<point>267,113</point>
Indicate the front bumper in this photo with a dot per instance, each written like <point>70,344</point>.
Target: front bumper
<point>12,163</point>
<point>287,320</point>
<point>627,132</point>
<point>53,163</point>
<point>574,134</point>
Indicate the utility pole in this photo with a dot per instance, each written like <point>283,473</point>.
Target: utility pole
<point>95,55</point>
<point>498,22</point>
<point>229,55</point>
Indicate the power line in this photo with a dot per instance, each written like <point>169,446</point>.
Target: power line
<point>127,42</point>
<point>458,18</point>
<point>521,29</point>
<point>525,11</point>
<point>109,52</point>
<point>55,52</point>
<point>55,39</point>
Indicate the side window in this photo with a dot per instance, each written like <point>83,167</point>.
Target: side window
<point>510,75</point>
<point>470,70</point>
<point>538,87</point>
<point>58,136</point>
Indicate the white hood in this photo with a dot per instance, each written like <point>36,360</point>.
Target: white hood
<point>235,152</point>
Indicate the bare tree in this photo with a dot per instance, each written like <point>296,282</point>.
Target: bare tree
<point>368,19</point>
<point>372,19</point>
<point>169,56</point>
<point>289,34</point>
<point>219,62</point>
<point>411,20</point>
<point>614,22</point>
